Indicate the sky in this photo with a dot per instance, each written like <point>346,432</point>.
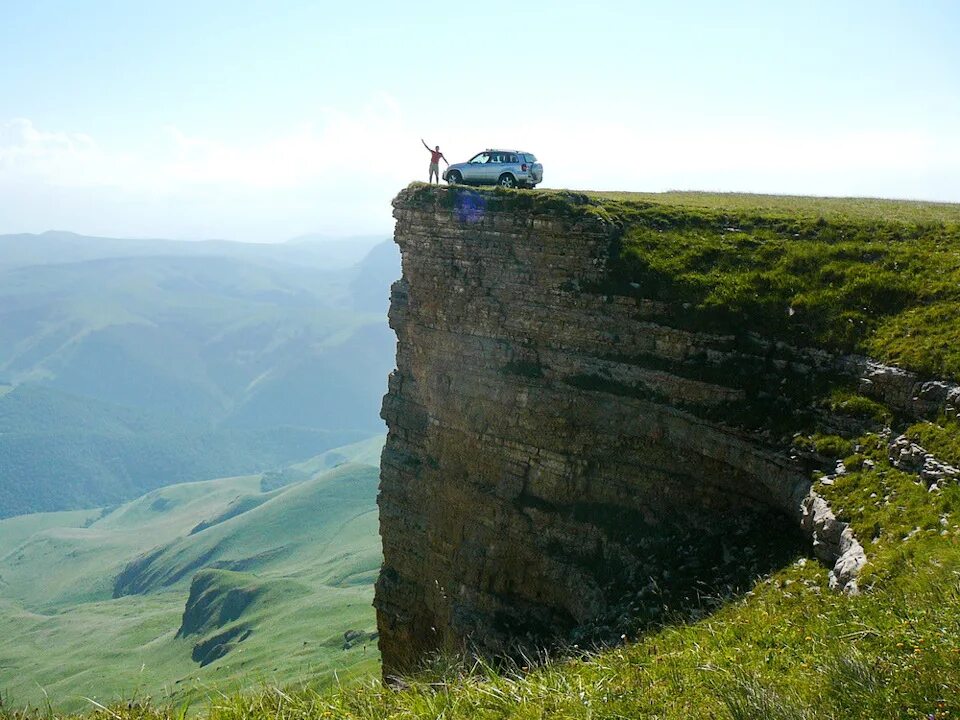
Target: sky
<point>262,121</point>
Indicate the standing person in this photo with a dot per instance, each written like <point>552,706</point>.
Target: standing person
<point>435,157</point>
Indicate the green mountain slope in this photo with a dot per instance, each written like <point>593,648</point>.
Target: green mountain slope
<point>59,450</point>
<point>129,365</point>
<point>308,552</point>
<point>194,336</point>
<point>330,513</point>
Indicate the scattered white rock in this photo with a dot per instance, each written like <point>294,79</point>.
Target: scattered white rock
<point>910,457</point>
<point>833,541</point>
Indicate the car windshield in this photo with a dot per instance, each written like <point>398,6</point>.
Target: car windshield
<point>480,158</point>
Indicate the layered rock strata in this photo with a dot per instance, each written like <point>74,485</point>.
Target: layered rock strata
<point>544,432</point>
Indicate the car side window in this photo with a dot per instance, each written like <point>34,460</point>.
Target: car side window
<point>513,159</point>
<point>480,158</point>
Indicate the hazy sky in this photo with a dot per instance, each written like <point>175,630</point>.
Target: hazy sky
<point>265,120</point>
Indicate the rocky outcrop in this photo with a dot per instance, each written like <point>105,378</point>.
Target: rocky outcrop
<point>833,542</point>
<point>904,391</point>
<point>554,446</point>
<point>910,457</point>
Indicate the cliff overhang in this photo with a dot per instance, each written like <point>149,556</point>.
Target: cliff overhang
<point>598,398</point>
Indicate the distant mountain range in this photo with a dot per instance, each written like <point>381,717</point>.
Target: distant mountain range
<point>57,247</point>
<point>126,365</point>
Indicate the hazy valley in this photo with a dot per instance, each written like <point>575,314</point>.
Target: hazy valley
<point>129,365</point>
<point>132,373</point>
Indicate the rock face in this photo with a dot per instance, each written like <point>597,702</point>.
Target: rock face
<point>549,440</point>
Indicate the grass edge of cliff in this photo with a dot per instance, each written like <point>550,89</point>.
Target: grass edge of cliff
<point>875,277</point>
<point>789,648</point>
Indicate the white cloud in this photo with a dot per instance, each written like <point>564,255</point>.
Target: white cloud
<point>371,143</point>
<point>335,175</point>
<point>59,157</point>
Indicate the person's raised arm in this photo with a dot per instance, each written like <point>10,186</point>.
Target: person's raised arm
<point>425,145</point>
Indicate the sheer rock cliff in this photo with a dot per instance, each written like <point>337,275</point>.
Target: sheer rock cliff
<point>557,444</point>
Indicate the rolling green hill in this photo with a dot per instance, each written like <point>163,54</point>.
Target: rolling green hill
<point>129,365</point>
<point>173,594</point>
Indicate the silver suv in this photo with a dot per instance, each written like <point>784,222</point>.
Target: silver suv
<point>507,168</point>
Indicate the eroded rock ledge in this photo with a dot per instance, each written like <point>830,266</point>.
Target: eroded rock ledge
<point>553,444</point>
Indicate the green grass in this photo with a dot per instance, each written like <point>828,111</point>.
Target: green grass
<point>943,435</point>
<point>797,206</point>
<point>310,550</point>
<point>845,402</point>
<point>15,530</point>
<point>879,277</point>
<point>887,289</point>
<point>595,203</point>
<point>365,452</point>
<point>787,649</point>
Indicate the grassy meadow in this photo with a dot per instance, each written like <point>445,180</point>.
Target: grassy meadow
<point>92,600</point>
<point>834,209</point>
<point>842,274</point>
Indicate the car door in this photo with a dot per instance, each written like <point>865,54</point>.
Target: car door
<point>512,166</point>
<point>494,168</point>
<point>475,170</point>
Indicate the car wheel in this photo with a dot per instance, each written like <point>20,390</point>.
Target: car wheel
<point>453,178</point>
<point>507,180</point>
